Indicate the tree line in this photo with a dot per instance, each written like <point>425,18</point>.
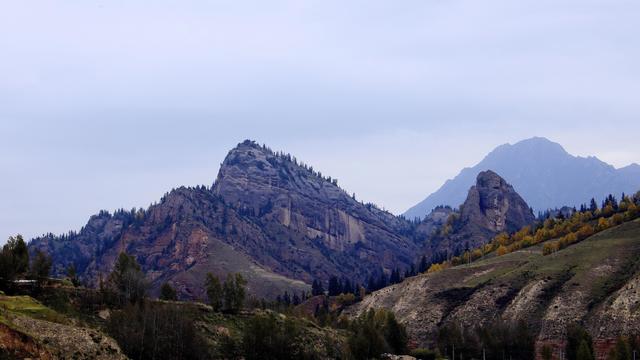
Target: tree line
<point>17,264</point>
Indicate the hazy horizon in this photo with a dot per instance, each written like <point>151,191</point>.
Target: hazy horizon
<point>106,105</point>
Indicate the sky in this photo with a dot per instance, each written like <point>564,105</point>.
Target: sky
<point>110,104</point>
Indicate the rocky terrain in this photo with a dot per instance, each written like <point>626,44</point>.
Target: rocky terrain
<point>595,282</point>
<point>278,222</point>
<point>492,206</point>
<point>544,174</point>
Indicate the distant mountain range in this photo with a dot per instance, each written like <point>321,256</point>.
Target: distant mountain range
<point>543,173</point>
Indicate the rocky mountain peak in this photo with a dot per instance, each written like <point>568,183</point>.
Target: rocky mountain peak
<point>253,175</point>
<point>494,205</point>
<point>490,180</point>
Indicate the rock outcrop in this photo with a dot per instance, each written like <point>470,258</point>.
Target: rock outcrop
<point>492,206</point>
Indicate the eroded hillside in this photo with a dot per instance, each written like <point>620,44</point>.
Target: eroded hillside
<point>595,282</point>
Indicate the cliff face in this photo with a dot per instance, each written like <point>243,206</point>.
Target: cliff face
<point>279,223</point>
<point>318,229</point>
<point>492,206</point>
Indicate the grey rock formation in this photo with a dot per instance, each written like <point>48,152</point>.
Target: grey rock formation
<point>492,206</point>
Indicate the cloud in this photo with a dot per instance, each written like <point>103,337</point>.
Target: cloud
<point>110,103</point>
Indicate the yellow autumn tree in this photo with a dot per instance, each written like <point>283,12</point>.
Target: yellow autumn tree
<point>603,224</point>
<point>616,219</point>
<point>549,248</point>
<point>435,268</point>
<point>502,238</point>
<point>585,231</point>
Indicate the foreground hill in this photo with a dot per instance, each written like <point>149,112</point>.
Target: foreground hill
<point>29,329</point>
<point>543,173</point>
<point>278,222</point>
<point>594,282</point>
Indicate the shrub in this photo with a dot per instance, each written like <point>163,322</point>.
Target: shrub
<point>214,291</point>
<point>168,293</point>
<point>549,248</point>
<point>346,299</point>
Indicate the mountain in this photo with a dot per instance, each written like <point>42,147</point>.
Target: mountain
<point>492,206</point>
<point>594,282</point>
<point>280,223</point>
<point>543,173</point>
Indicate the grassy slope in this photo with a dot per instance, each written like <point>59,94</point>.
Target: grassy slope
<point>575,283</point>
<point>612,247</point>
<point>225,259</point>
<point>30,329</point>
<point>27,306</point>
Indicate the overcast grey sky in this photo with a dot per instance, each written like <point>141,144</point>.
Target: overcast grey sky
<point>108,104</point>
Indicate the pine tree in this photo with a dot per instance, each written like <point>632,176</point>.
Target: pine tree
<point>334,286</point>
<point>214,291</point>
<point>317,288</point>
<point>40,267</point>
<point>584,352</point>
<point>371,284</point>
<point>234,292</point>
<point>167,292</point>
<point>72,274</point>
<point>423,264</point>
<point>383,281</point>
<point>127,279</point>
<point>347,287</point>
